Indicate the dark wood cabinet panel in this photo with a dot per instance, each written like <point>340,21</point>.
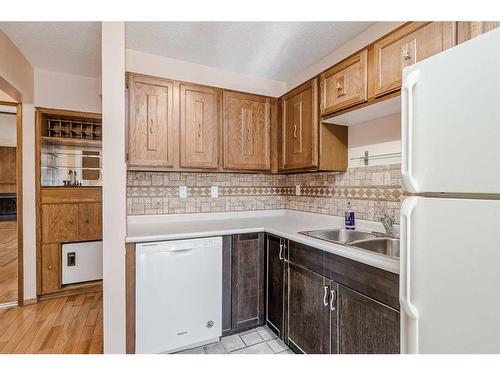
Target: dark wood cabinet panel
<point>374,282</point>
<point>226,285</point>
<point>308,317</point>
<point>306,256</point>
<point>247,279</point>
<point>275,277</point>
<point>366,326</point>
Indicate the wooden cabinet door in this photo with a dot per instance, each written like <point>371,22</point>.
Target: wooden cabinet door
<point>89,221</point>
<point>308,311</point>
<point>199,127</point>
<point>51,268</point>
<point>467,30</point>
<point>345,84</point>
<point>408,45</point>
<point>8,169</point>
<point>299,128</point>
<point>275,278</point>
<point>247,280</point>
<point>150,133</point>
<point>247,131</point>
<point>365,325</point>
<point>59,222</point>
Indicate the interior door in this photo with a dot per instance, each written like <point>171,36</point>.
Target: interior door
<point>450,120</point>
<point>449,279</point>
<point>308,317</point>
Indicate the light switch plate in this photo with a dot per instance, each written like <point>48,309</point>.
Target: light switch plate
<point>297,189</point>
<point>183,191</point>
<point>214,191</point>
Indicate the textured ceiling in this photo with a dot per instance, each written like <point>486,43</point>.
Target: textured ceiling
<point>66,47</point>
<point>275,50</point>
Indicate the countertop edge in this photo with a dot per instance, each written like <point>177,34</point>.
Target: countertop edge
<point>378,261</point>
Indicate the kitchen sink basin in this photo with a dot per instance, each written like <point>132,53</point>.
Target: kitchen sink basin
<point>385,245</point>
<point>342,236</point>
<point>370,241</point>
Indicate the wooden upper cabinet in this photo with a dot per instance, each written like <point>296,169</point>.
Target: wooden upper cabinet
<point>467,30</point>
<point>299,127</point>
<point>345,84</point>
<point>406,46</point>
<point>247,131</point>
<point>199,126</point>
<point>151,125</point>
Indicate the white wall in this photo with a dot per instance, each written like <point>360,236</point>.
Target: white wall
<point>8,129</point>
<point>114,184</point>
<point>67,91</point>
<point>365,38</point>
<point>380,136</point>
<point>146,63</point>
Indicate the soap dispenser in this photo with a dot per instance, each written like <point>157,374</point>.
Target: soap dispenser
<point>350,221</point>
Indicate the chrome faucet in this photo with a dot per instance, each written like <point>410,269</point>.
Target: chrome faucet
<point>388,224</point>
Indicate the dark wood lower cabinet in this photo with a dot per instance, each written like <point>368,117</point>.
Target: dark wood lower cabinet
<point>247,281</point>
<point>366,326</point>
<point>275,283</point>
<point>308,317</point>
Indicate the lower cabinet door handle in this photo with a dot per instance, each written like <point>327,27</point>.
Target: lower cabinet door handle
<point>333,299</point>
<point>280,256</point>
<point>325,297</point>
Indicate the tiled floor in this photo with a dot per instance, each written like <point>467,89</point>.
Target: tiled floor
<point>255,341</point>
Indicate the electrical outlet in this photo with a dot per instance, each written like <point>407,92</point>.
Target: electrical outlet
<point>297,189</point>
<point>183,191</point>
<point>214,191</point>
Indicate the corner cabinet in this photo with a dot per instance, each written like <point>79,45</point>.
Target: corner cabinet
<point>246,132</point>
<point>150,122</point>
<point>406,46</point>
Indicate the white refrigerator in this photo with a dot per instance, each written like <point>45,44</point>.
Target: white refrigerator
<point>450,225</point>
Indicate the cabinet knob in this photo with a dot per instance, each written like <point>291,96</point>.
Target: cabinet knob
<point>405,55</point>
<point>49,267</point>
<point>71,221</point>
<point>339,86</point>
<point>87,221</point>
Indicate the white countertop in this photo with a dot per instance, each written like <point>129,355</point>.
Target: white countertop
<point>282,223</point>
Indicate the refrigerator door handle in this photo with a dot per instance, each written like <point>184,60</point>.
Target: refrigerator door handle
<point>409,326</point>
<point>407,128</point>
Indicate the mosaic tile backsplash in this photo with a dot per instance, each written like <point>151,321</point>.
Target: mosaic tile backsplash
<point>371,191</point>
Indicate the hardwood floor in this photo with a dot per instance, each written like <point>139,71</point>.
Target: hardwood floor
<point>70,324</point>
<point>8,262</point>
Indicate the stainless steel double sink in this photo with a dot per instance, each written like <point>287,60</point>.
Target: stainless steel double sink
<point>370,241</point>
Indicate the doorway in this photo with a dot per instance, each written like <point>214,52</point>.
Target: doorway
<point>11,292</point>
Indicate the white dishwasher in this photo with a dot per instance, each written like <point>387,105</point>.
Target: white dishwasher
<point>178,294</point>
